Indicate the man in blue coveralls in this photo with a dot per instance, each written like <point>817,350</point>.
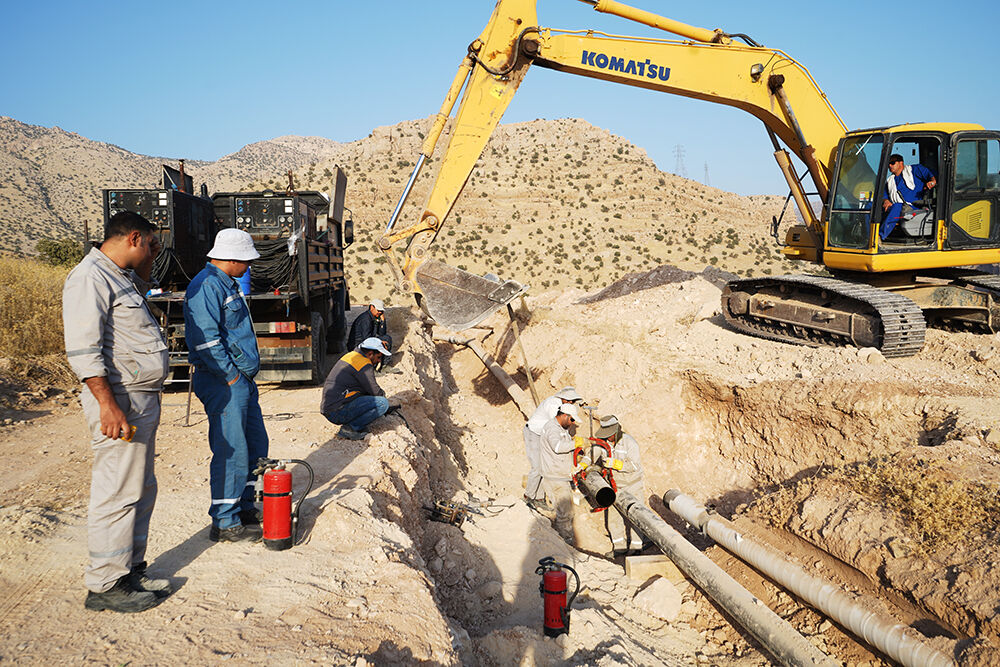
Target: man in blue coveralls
<point>904,185</point>
<point>222,347</point>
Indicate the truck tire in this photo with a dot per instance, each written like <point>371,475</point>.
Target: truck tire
<point>338,321</point>
<point>318,348</point>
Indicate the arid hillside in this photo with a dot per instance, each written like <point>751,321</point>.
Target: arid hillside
<point>553,203</point>
<point>51,180</point>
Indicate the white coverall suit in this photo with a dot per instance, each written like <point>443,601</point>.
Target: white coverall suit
<point>545,411</point>
<point>556,466</point>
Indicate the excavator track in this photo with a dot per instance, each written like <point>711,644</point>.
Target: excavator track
<point>978,281</point>
<point>815,310</point>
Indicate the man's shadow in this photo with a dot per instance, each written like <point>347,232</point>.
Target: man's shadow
<point>327,461</point>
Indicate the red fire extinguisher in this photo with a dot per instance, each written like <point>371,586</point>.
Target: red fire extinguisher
<point>274,489</point>
<point>553,589</point>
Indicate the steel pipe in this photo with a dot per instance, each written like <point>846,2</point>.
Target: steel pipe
<point>597,491</point>
<point>521,399</point>
<point>879,631</point>
<point>777,636</point>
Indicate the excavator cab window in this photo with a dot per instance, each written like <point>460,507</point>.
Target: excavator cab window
<point>919,224</point>
<point>975,197</point>
<point>854,192</point>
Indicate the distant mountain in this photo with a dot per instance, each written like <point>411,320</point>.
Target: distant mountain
<point>51,180</point>
<point>554,203</point>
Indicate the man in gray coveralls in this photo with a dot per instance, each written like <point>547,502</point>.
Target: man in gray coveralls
<point>115,346</point>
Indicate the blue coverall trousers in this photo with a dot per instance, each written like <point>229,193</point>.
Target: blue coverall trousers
<point>237,438</point>
<point>359,413</point>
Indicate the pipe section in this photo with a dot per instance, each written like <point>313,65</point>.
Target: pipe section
<point>779,638</point>
<point>596,490</point>
<point>521,399</point>
<point>881,632</point>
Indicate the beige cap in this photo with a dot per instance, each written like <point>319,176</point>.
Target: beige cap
<point>571,410</point>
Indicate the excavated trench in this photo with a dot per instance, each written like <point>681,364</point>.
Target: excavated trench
<point>784,454</point>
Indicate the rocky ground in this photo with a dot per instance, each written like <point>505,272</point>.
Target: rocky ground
<point>879,474</point>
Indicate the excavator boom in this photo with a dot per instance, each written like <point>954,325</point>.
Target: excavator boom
<point>712,66</point>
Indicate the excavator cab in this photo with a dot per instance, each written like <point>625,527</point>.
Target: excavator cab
<point>960,212</point>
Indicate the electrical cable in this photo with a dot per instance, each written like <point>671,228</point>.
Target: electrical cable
<point>275,268</point>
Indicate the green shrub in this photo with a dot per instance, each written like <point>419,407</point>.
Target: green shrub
<point>64,252</point>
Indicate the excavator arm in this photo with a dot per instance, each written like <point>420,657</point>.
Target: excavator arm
<point>708,65</point>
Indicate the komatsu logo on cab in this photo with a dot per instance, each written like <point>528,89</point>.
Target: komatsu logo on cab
<point>644,68</point>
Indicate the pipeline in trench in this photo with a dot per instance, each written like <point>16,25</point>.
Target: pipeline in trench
<point>729,444</point>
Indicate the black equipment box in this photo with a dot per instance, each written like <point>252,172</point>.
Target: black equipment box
<point>186,226</point>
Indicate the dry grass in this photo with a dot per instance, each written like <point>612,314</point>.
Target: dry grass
<point>937,507</point>
<point>30,308</point>
<point>32,359</point>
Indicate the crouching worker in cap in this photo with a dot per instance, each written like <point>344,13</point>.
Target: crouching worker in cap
<point>352,398</point>
<point>534,497</point>
<point>627,471</point>
<point>222,347</point>
<point>556,466</point>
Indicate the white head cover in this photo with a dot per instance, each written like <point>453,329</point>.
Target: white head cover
<point>569,394</point>
<point>379,306</point>
<point>234,244</point>
<point>571,410</point>
<point>376,344</point>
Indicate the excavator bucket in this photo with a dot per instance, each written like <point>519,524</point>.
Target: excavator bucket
<point>457,299</point>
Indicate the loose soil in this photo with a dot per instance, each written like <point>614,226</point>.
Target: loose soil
<point>878,474</point>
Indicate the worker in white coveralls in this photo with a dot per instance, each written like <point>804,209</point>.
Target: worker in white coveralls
<point>556,466</point>
<point>115,347</point>
<point>534,497</point>
<point>627,470</point>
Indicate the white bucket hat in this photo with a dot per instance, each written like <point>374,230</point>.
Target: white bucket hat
<point>234,244</point>
<point>569,394</point>
<point>376,344</point>
<point>571,410</point>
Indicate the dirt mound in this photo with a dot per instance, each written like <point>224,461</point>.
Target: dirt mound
<point>661,275</point>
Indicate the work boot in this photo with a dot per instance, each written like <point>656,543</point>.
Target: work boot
<point>251,517</point>
<point>140,581</point>
<point>238,533</point>
<point>121,597</point>
<point>350,434</point>
<point>537,504</point>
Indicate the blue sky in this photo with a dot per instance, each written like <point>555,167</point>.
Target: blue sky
<point>182,79</point>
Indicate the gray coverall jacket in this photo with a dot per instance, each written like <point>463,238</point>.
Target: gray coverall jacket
<point>110,332</point>
<point>629,478</point>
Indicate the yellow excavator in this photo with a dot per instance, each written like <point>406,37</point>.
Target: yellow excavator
<point>887,276</point>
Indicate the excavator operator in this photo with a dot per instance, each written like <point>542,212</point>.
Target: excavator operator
<point>905,184</point>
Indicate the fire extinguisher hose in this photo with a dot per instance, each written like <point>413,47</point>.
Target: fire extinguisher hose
<point>298,504</point>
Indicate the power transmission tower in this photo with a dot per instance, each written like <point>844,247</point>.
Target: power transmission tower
<point>679,167</point>
<point>708,181</point>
